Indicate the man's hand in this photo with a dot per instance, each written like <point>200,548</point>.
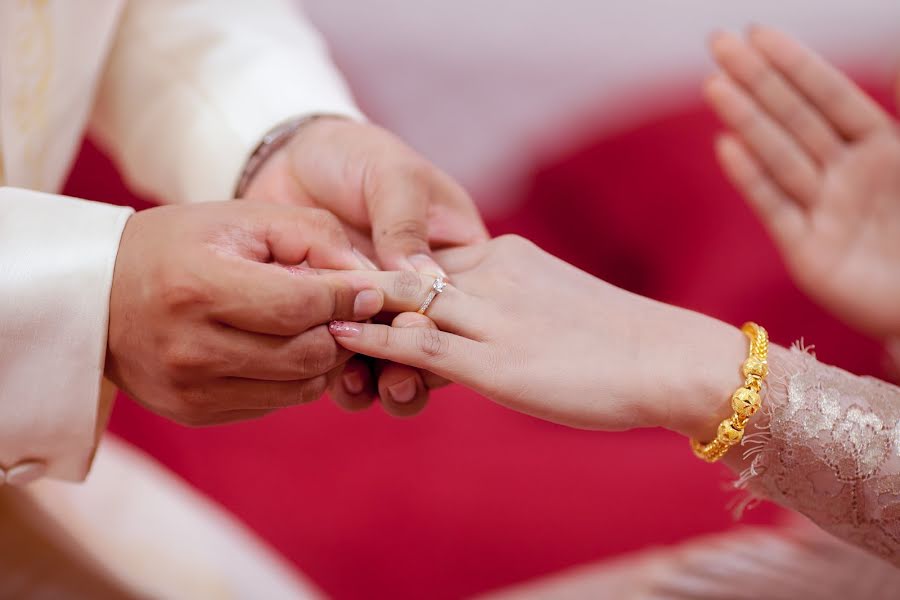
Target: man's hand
<point>394,205</point>
<point>212,318</point>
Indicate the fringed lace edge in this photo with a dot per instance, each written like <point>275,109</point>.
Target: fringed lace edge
<point>757,447</point>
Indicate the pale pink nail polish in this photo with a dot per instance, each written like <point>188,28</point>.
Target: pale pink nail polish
<point>345,328</point>
<point>404,391</point>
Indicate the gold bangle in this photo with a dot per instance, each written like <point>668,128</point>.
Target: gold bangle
<point>745,401</point>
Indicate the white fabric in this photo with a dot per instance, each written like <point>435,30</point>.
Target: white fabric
<point>56,264</point>
<point>154,537</point>
<point>189,88</point>
<point>51,54</point>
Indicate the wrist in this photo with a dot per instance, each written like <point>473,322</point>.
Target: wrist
<point>272,146</point>
<point>703,371</point>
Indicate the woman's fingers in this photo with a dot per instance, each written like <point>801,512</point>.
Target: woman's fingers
<point>782,217</point>
<point>401,388</point>
<point>410,319</point>
<point>404,320</point>
<point>445,354</point>
<point>848,108</point>
<point>745,65</point>
<point>790,166</point>
<point>405,291</point>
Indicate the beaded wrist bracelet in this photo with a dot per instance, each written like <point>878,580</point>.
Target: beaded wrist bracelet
<point>745,401</point>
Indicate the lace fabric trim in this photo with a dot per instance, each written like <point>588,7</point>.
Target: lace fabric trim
<point>828,446</point>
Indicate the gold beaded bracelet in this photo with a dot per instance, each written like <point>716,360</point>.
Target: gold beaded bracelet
<point>745,401</point>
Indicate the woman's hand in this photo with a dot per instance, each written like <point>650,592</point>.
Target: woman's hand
<point>819,162</point>
<point>394,205</point>
<point>539,336</point>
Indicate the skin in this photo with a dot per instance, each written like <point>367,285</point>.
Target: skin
<point>206,324</point>
<point>819,162</point>
<point>395,207</point>
<point>624,361</point>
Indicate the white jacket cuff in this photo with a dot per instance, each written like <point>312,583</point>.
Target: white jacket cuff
<point>57,257</point>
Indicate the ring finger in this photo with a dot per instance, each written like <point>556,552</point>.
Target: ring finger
<point>403,390</point>
<point>405,291</point>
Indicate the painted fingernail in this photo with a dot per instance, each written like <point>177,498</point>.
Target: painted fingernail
<point>367,304</point>
<point>344,328</point>
<point>353,383</point>
<point>404,391</point>
<point>425,264</point>
<point>365,260</point>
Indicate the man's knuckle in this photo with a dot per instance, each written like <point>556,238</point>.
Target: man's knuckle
<point>339,301</point>
<point>329,227</point>
<point>311,390</point>
<point>316,358</point>
<point>411,231</point>
<point>183,360</point>
<point>179,290</point>
<point>407,285</point>
<point>323,220</point>
<point>293,316</point>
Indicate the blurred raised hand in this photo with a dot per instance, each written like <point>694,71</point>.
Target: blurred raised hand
<point>819,162</point>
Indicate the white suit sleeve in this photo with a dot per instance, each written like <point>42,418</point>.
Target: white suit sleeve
<point>57,257</point>
<point>192,86</point>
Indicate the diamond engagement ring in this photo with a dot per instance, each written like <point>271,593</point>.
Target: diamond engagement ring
<point>436,288</point>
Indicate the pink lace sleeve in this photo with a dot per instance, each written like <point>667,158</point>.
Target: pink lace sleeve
<point>828,446</point>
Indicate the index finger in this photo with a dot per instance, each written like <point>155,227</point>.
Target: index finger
<point>293,235</point>
<point>413,204</point>
<point>267,298</point>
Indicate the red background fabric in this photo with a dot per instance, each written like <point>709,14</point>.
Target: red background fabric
<point>470,497</point>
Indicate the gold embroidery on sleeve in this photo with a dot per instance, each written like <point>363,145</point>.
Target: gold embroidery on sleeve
<point>33,47</point>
